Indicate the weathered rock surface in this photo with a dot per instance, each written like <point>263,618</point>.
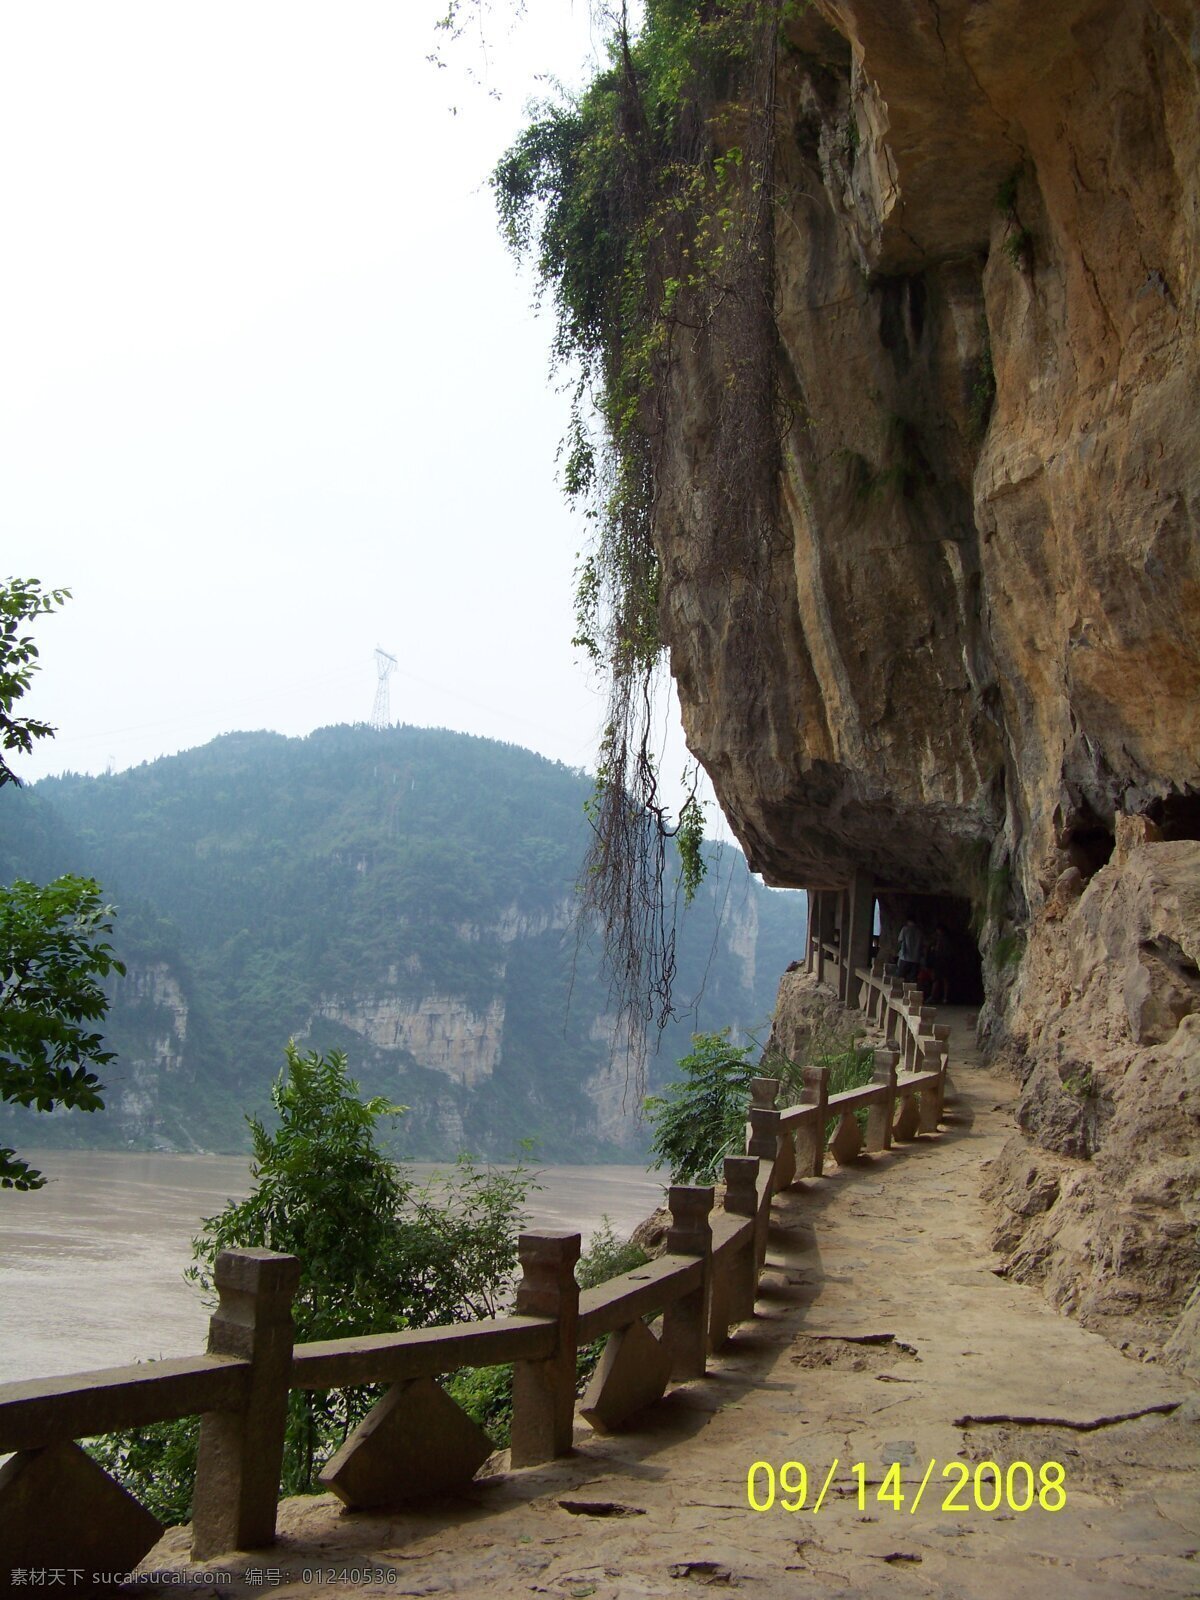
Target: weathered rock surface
<point>807,1013</point>
<point>949,632</point>
<point>983,614</point>
<point>1101,1202</point>
<point>440,1030</point>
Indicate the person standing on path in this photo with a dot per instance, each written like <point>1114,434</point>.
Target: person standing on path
<point>908,951</point>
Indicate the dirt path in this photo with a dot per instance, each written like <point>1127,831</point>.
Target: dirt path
<point>882,1337</point>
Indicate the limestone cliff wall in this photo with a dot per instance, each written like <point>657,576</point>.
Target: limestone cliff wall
<point>441,1031</point>
<point>983,611</point>
<point>964,643</point>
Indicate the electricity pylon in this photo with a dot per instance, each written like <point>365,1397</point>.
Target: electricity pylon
<point>385,665</point>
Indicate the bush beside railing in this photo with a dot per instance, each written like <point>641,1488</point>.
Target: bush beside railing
<point>704,1285</point>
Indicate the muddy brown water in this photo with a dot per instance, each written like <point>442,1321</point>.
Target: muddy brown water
<point>91,1266</point>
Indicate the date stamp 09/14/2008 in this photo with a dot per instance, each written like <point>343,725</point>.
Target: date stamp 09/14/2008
<point>788,1487</point>
<point>989,1488</point>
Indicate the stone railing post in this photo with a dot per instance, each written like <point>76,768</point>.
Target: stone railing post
<point>931,1094</point>
<point>912,1007</point>
<point>741,1200</point>
<point>814,1092</point>
<point>685,1321</point>
<point>892,1005</point>
<point>941,1033</point>
<point>763,1094</point>
<point>764,1135</point>
<point>544,1391</point>
<point>741,1185</point>
<point>764,1143</point>
<point>785,1159</point>
<point>881,1116</point>
<point>241,1452</point>
<point>873,991</point>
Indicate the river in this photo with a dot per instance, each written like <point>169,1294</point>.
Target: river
<point>91,1266</point>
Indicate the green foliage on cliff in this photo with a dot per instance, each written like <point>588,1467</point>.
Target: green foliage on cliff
<point>701,1117</point>
<point>21,599</point>
<point>643,204</point>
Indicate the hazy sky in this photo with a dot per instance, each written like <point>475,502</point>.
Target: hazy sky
<point>272,391</point>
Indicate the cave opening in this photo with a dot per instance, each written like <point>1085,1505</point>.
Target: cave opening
<point>964,973</point>
<point>1088,840</point>
<point>1177,816</point>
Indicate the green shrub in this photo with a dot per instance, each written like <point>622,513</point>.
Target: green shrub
<point>983,387</point>
<point>831,1043</point>
<point>851,1068</point>
<point>605,1257</point>
<point>1082,1084</point>
<point>701,1117</point>
<point>157,1464</point>
<point>486,1395</point>
<point>376,1255</point>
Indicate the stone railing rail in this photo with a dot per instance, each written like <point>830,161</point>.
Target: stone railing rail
<point>58,1506</point>
<point>893,1006</point>
<point>898,1010</point>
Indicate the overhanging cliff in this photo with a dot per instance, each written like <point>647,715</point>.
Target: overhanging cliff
<point>982,596</point>
<point>960,649</point>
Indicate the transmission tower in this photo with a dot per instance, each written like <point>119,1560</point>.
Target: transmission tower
<point>385,665</point>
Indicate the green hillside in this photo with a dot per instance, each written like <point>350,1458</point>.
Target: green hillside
<point>405,894</point>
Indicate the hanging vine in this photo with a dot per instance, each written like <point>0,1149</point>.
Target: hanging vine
<point>644,205</point>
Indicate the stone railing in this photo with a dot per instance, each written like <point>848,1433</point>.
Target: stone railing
<point>898,1011</point>
<point>894,1007</point>
<point>59,1509</point>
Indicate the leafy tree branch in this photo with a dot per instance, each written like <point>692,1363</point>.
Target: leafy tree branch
<point>53,945</point>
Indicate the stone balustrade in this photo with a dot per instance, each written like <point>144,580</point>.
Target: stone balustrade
<point>57,1505</point>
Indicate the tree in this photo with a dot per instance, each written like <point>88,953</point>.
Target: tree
<point>20,599</point>
<point>324,1192</point>
<point>376,1254</point>
<point>701,1117</point>
<point>51,955</point>
<point>52,945</point>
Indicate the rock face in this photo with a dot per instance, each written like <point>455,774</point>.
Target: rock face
<point>1101,1203</point>
<point>440,1030</point>
<point>985,605</point>
<point>959,648</point>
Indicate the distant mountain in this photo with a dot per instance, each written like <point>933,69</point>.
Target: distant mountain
<point>404,894</point>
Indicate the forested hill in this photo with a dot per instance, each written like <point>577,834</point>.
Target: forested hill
<point>405,894</point>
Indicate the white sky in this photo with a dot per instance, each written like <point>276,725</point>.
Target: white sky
<point>271,390</point>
